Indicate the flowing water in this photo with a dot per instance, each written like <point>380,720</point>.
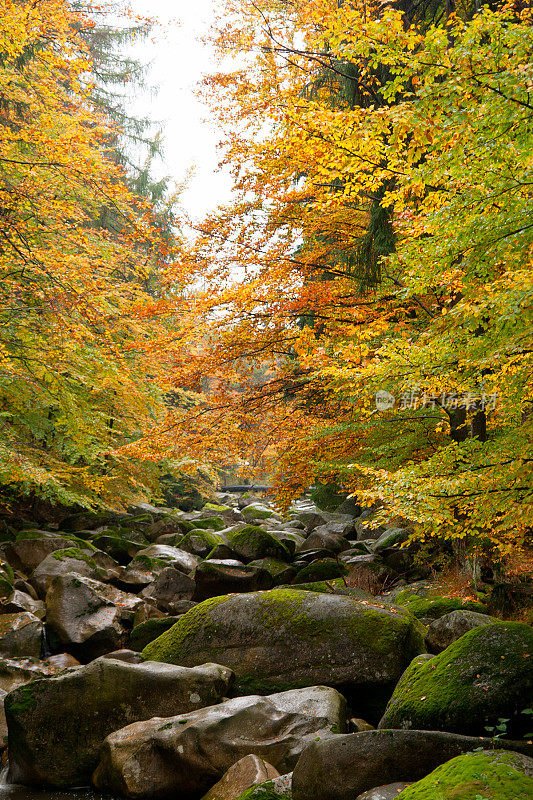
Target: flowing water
<point>13,791</point>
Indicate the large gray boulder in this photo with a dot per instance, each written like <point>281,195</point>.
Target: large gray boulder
<point>87,616</point>
<point>63,562</point>
<point>484,675</point>
<point>442,632</point>
<point>174,556</point>
<point>343,767</point>
<point>214,578</point>
<point>19,601</point>
<point>324,539</point>
<point>287,638</point>
<point>26,554</point>
<point>57,726</point>
<point>20,635</point>
<point>169,589</point>
<point>185,756</point>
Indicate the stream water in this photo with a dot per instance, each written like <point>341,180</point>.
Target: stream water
<point>13,791</point>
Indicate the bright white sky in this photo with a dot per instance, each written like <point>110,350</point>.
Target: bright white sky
<point>179,61</point>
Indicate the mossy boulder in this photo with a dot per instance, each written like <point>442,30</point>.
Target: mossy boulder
<point>488,775</point>
<point>218,508</point>
<point>200,542</point>
<point>485,675</point>
<point>149,630</point>
<point>209,523</point>
<point>280,571</point>
<point>342,767</point>
<point>258,512</point>
<point>57,726</point>
<point>119,547</point>
<point>320,570</point>
<point>335,586</point>
<point>31,547</point>
<point>435,606</point>
<point>392,537</point>
<point>170,556</point>
<point>252,542</point>
<point>63,562</point>
<point>286,638</point>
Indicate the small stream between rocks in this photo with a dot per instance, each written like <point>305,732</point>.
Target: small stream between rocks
<point>14,791</point>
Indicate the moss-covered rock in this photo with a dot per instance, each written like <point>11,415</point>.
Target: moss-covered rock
<point>484,675</point>
<point>278,570</point>
<point>285,638</point>
<point>218,508</point>
<point>252,542</point>
<point>435,606</point>
<point>493,775</point>
<point>210,523</point>
<point>62,562</point>
<point>335,586</point>
<point>392,537</point>
<point>257,512</point>
<point>321,570</point>
<point>118,547</point>
<point>342,767</point>
<point>200,542</point>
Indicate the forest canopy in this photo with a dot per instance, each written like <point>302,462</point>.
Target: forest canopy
<point>360,313</point>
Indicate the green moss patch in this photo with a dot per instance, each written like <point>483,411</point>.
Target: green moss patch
<point>210,523</point>
<point>474,776</point>
<point>20,700</point>
<point>217,508</point>
<point>74,553</point>
<point>200,541</point>
<point>264,791</point>
<point>434,607</point>
<point>253,512</point>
